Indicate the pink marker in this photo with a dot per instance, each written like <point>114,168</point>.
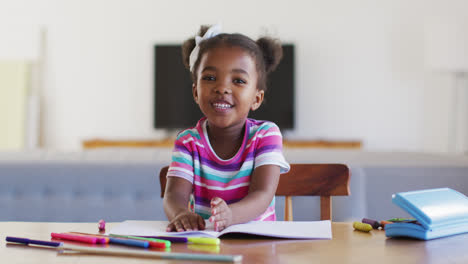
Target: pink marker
<point>99,239</point>
<point>102,225</point>
<point>89,240</point>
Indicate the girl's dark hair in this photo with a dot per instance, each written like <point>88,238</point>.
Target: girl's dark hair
<point>267,52</point>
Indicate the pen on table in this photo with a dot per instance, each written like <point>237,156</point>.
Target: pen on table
<point>194,240</point>
<point>144,253</point>
<point>204,240</point>
<point>28,241</point>
<point>402,220</point>
<point>113,251</point>
<point>173,239</point>
<point>99,239</point>
<point>71,237</point>
<point>151,243</point>
<point>129,242</point>
<point>158,243</point>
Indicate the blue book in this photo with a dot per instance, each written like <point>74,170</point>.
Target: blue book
<point>439,212</point>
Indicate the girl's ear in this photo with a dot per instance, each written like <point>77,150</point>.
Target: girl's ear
<point>195,93</point>
<point>258,100</point>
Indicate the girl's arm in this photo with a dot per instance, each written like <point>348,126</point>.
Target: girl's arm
<point>176,199</point>
<point>263,183</point>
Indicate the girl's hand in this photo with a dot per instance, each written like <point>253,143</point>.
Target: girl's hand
<point>221,214</point>
<point>186,221</point>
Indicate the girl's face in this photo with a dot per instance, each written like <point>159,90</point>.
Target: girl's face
<point>226,86</point>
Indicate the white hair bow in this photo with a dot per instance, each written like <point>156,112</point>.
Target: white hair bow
<point>211,32</point>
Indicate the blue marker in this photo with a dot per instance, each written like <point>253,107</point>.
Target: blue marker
<point>27,241</point>
<point>129,242</point>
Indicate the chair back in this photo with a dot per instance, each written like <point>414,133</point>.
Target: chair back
<point>324,180</point>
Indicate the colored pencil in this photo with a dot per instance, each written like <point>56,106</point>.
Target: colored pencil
<point>129,242</point>
<point>151,254</point>
<point>71,237</point>
<point>158,243</point>
<point>99,239</point>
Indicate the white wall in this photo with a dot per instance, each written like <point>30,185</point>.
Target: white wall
<point>360,65</point>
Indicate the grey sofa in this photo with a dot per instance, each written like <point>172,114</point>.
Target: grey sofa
<point>121,184</point>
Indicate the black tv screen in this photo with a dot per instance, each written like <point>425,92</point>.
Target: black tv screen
<point>174,107</point>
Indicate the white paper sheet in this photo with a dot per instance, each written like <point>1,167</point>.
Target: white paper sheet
<point>279,229</point>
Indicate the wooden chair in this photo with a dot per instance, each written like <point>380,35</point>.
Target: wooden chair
<point>324,180</point>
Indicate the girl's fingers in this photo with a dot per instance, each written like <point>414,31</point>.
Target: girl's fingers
<point>201,223</point>
<point>215,214</point>
<point>170,227</point>
<point>186,224</point>
<point>215,201</point>
<point>220,225</point>
<point>220,214</point>
<point>178,226</point>
<point>194,223</point>
<point>218,208</point>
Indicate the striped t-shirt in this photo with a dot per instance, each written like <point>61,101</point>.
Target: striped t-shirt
<point>194,160</point>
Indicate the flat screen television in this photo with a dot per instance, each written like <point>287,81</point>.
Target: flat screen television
<point>174,107</point>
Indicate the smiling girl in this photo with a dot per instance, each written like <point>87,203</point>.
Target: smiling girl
<point>228,164</point>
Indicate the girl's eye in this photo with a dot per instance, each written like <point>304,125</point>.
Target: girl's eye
<point>239,81</point>
<point>208,78</point>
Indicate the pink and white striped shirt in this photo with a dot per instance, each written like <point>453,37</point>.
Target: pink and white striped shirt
<point>194,160</point>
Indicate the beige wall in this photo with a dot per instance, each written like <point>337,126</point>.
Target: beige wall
<point>14,83</point>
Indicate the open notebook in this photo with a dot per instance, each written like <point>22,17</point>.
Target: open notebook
<point>277,229</point>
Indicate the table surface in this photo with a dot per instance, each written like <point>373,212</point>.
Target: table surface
<point>347,246</point>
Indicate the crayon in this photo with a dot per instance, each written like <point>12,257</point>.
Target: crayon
<point>362,226</point>
<point>383,223</point>
<point>373,223</point>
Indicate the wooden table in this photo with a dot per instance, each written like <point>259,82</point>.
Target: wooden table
<point>347,246</point>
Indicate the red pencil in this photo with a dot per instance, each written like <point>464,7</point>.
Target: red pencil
<point>156,244</point>
<point>78,238</point>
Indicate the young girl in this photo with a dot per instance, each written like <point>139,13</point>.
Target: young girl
<point>229,164</point>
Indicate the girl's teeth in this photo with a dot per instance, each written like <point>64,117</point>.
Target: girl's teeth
<point>222,105</point>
